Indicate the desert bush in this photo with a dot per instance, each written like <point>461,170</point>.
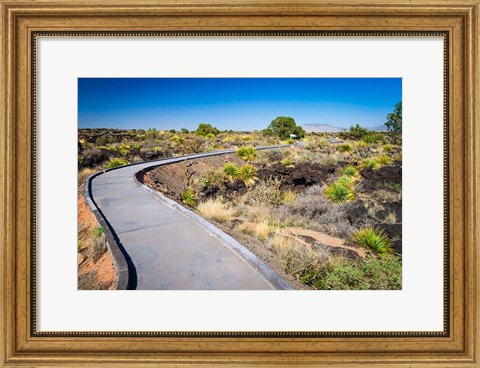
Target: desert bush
<point>214,209</point>
<point>345,147</point>
<point>92,158</point>
<point>230,170</point>
<point>116,162</point>
<point>387,148</point>
<point>189,197</point>
<point>274,155</point>
<point>248,173</point>
<point>374,239</point>
<point>383,160</point>
<point>211,178</point>
<point>369,163</point>
<point>339,193</point>
<point>349,170</point>
<point>287,162</point>
<point>124,149</point>
<point>371,137</point>
<point>396,187</point>
<point>299,261</point>
<point>289,196</point>
<point>267,193</point>
<point>370,274</point>
<point>97,232</point>
<point>247,153</point>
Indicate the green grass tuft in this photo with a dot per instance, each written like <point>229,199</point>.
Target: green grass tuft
<point>339,193</point>
<point>370,238</point>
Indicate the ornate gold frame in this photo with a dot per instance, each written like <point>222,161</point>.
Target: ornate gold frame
<point>22,20</point>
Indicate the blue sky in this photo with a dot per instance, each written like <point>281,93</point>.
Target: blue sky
<point>234,103</point>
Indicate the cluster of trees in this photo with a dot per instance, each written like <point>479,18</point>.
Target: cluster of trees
<point>284,126</point>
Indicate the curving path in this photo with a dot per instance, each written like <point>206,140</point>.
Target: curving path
<point>167,246</point>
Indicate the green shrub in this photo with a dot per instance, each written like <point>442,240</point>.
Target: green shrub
<point>349,170</point>
<point>211,178</point>
<point>248,174</point>
<point>267,193</point>
<point>388,148</point>
<point>247,153</point>
<point>230,170</point>
<point>371,137</point>
<point>383,160</point>
<point>124,149</point>
<point>345,147</point>
<point>370,238</point>
<point>287,162</point>
<point>339,193</point>
<point>369,163</point>
<point>189,197</point>
<point>373,273</point>
<point>97,232</point>
<point>345,180</point>
<point>116,162</point>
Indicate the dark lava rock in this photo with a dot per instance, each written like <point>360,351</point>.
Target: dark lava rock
<point>357,213</point>
<point>391,229</point>
<point>388,173</point>
<point>397,246</point>
<point>390,207</point>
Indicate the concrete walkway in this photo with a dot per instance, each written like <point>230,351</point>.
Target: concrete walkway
<point>167,250</point>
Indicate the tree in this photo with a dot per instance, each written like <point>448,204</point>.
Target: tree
<point>357,132</point>
<point>394,120</point>
<point>205,129</point>
<point>283,126</point>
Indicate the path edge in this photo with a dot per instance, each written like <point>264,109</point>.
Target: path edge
<point>113,247</point>
<point>251,259</point>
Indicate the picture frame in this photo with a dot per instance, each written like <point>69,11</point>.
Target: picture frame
<point>458,345</point>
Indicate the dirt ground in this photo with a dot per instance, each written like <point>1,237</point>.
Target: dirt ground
<point>95,270</point>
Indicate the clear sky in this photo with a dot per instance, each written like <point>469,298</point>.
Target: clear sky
<point>234,103</point>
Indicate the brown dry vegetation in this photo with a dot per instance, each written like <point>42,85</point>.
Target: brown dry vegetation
<point>95,268</point>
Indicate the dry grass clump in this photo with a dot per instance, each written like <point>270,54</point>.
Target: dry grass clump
<point>312,210</point>
<point>261,230</point>
<point>83,174</point>
<point>298,260</point>
<point>215,209</point>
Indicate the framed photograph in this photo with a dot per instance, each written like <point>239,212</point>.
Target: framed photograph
<point>239,183</point>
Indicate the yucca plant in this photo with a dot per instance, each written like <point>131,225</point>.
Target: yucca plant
<point>345,180</point>
<point>230,170</point>
<point>383,160</point>
<point>345,147</point>
<point>339,193</point>
<point>349,170</point>
<point>189,197</point>
<point>248,173</point>
<point>374,239</point>
<point>369,163</point>
<point>247,153</point>
<point>116,162</point>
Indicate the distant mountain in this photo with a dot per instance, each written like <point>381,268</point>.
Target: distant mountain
<point>321,128</point>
